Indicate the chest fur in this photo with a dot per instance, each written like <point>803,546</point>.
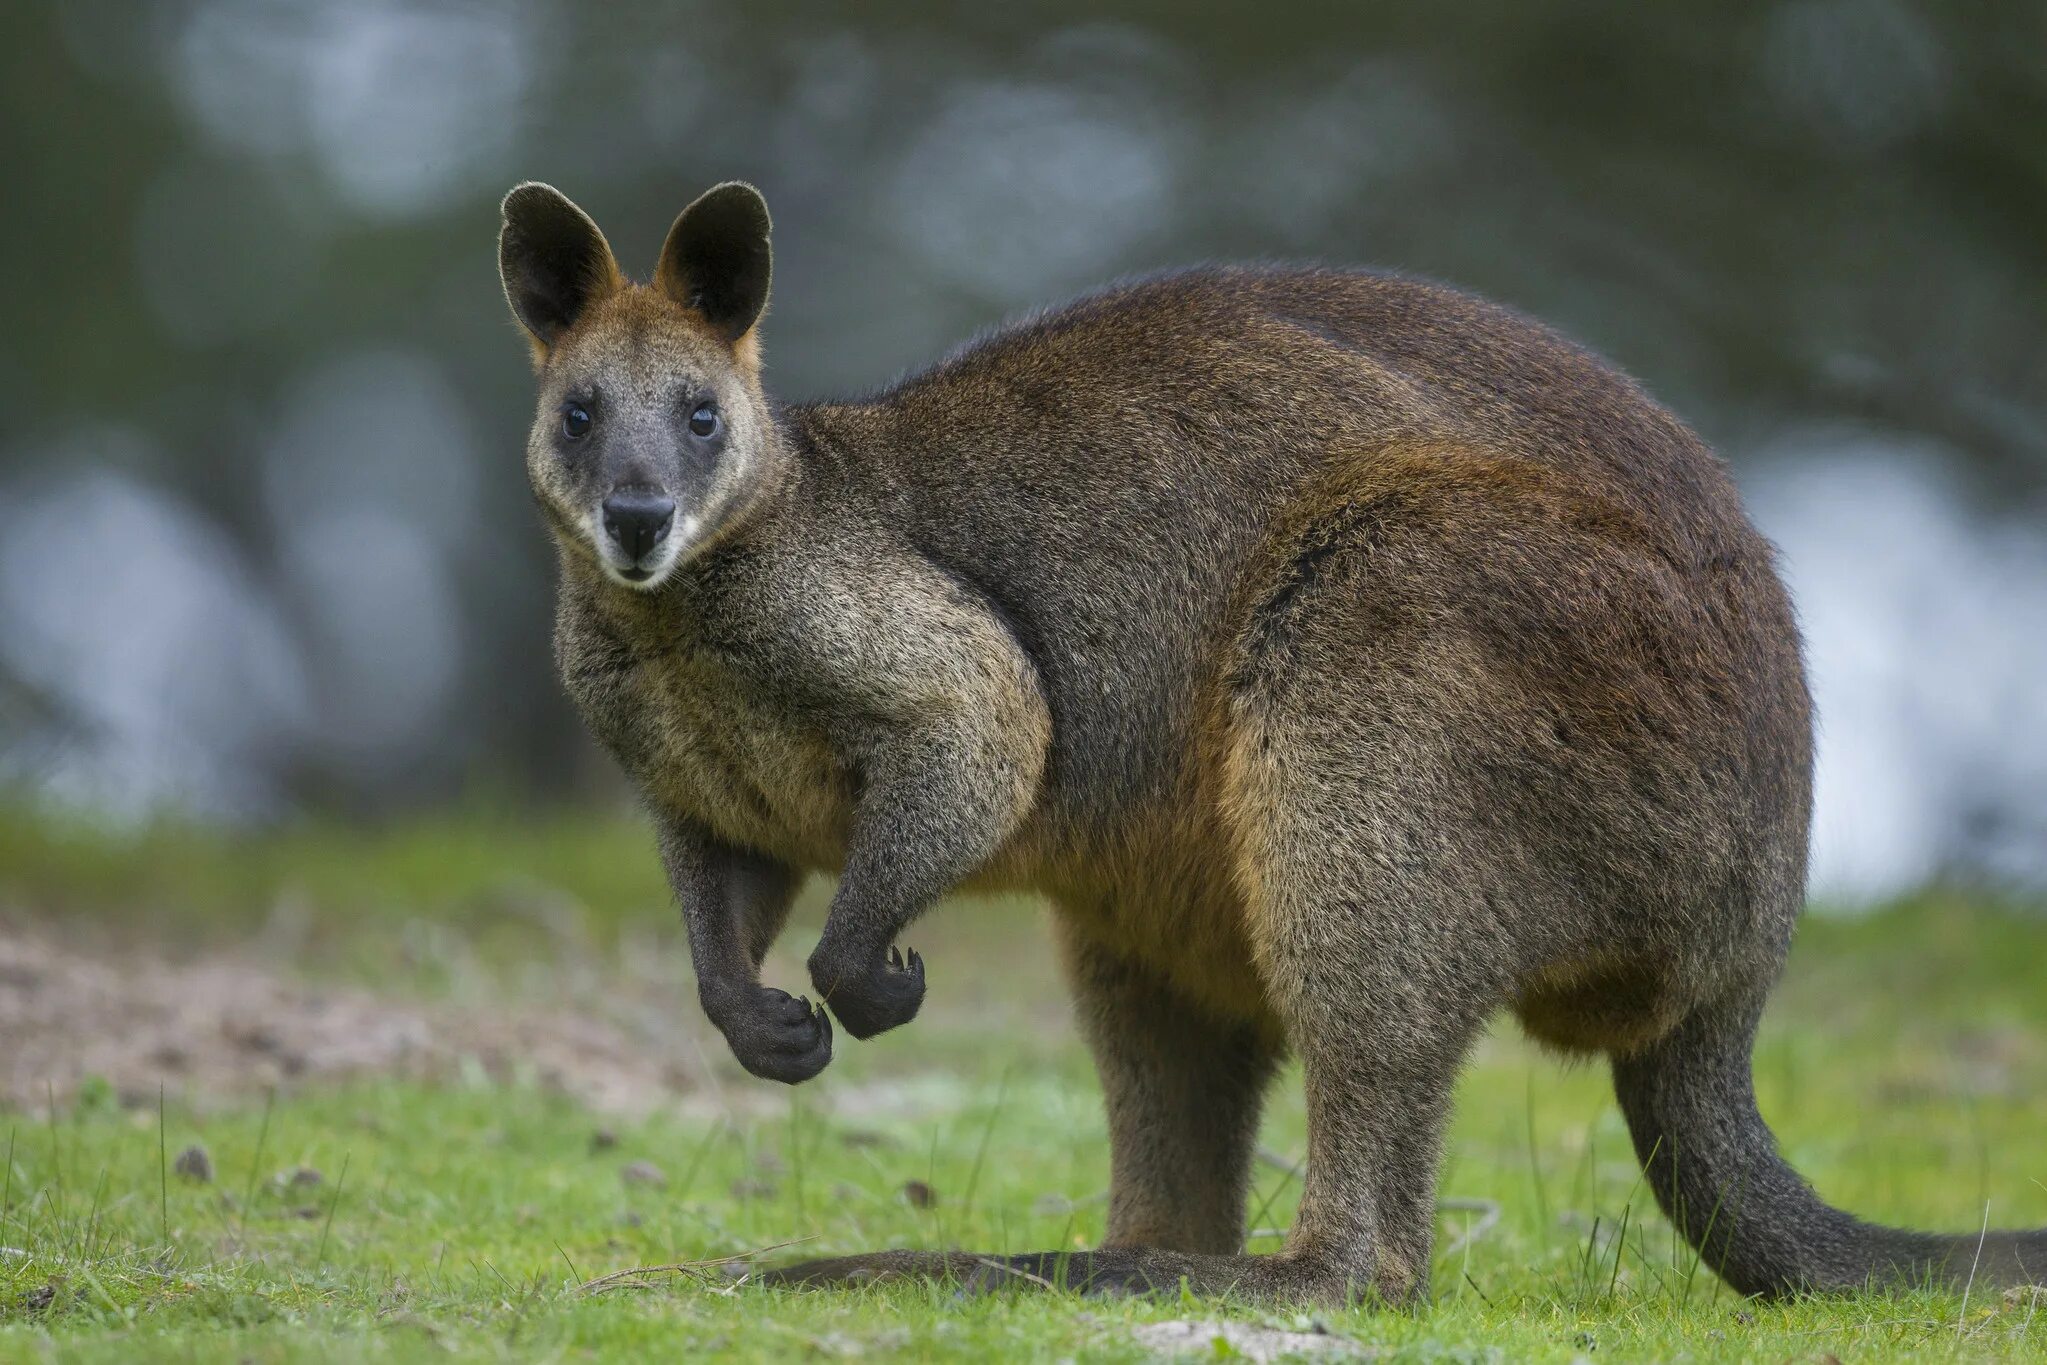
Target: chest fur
<point>705,736</point>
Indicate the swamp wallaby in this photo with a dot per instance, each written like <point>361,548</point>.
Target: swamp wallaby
<point>1345,658</point>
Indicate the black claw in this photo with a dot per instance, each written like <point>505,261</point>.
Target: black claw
<point>881,994</point>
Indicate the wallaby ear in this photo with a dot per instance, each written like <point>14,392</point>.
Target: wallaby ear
<point>553,261</point>
<point>716,260</point>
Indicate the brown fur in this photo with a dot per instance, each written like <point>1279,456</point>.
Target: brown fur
<point>1345,658</point>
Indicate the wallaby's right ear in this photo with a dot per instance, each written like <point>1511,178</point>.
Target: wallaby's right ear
<point>553,261</point>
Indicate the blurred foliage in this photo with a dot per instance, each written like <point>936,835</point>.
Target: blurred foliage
<point>1823,205</point>
<point>250,269</point>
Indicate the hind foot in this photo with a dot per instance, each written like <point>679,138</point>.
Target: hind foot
<point>1140,1271</point>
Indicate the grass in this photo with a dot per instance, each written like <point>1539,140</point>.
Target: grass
<point>1905,1068</point>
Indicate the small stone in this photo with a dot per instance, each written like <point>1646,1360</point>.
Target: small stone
<point>1240,1341</point>
<point>261,1039</point>
<point>603,1140</point>
<point>194,1164</point>
<point>644,1173</point>
<point>920,1195</point>
<point>36,1300</point>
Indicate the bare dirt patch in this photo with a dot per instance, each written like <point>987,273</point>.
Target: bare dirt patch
<point>220,1026</point>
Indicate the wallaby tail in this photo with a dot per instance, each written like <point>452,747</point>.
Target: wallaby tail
<point>1691,1108</point>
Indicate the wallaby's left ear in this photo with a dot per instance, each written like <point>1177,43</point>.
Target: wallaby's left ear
<point>716,260</point>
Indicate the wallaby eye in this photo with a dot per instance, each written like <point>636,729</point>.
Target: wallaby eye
<point>704,421</point>
<point>575,421</point>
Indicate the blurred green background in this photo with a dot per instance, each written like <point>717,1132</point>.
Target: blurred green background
<point>265,545</point>
<point>305,863</point>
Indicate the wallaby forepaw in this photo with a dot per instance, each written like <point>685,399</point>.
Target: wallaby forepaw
<point>780,1037</point>
<point>885,993</point>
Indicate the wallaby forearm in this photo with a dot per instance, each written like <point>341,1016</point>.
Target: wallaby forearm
<point>698,869</point>
<point>939,800</point>
<point>733,904</point>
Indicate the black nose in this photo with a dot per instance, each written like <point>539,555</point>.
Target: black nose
<point>638,518</point>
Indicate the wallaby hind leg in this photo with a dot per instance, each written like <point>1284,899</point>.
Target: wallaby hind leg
<point>1381,1060</point>
<point>1382,1017</point>
<point>1183,1092</point>
<point>1362,989</point>
<point>1376,1115</point>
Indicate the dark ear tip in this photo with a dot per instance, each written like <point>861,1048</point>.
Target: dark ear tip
<point>530,195</point>
<point>737,197</point>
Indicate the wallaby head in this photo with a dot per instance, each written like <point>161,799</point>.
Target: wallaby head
<point>652,434</point>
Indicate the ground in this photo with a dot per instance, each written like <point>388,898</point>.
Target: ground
<point>442,1091</point>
